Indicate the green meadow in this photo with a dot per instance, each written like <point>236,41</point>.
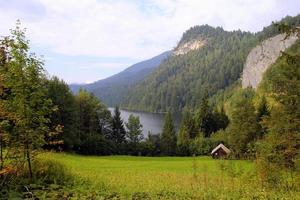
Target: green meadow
<point>128,177</point>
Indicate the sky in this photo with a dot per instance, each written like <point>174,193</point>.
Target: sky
<point>87,40</point>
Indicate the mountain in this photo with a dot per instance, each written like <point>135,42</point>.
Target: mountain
<point>206,60</point>
<point>263,56</point>
<point>113,89</point>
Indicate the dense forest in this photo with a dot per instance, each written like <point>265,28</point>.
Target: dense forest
<point>181,81</point>
<point>40,113</point>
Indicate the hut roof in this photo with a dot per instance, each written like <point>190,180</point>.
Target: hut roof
<point>222,147</point>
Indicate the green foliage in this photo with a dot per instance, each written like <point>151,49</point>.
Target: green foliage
<point>25,77</point>
<point>168,136</point>
<point>118,133</point>
<point>92,123</point>
<point>187,132</point>
<point>204,118</point>
<point>96,145</point>
<point>65,114</point>
<point>243,128</point>
<point>89,108</point>
<point>34,109</point>
<point>281,84</point>
<point>181,81</point>
<point>134,127</point>
<point>152,145</point>
<point>134,136</point>
<point>220,136</point>
<point>202,145</point>
<point>49,171</point>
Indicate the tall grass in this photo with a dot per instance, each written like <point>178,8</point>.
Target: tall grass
<point>125,177</point>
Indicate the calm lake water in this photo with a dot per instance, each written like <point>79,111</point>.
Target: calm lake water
<point>152,122</point>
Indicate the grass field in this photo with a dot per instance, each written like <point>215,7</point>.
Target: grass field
<point>164,177</point>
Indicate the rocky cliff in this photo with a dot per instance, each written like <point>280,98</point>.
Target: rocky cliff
<point>263,56</point>
<point>189,46</point>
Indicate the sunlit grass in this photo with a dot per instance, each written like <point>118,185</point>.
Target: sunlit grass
<point>174,177</point>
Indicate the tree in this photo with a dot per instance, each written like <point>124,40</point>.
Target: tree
<point>220,119</point>
<point>6,118</point>
<point>243,128</point>
<point>186,133</point>
<point>168,136</point>
<point>263,109</point>
<point>118,133</point>
<point>134,129</point>
<point>92,115</point>
<point>204,118</point>
<point>279,148</point>
<point>26,79</point>
<point>65,114</point>
<point>152,144</point>
<point>262,112</point>
<point>282,84</point>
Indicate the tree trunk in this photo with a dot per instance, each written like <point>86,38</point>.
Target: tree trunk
<point>29,161</point>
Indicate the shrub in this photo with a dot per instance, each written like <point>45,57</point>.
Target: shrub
<point>51,172</point>
<point>202,145</point>
<point>96,145</point>
<point>220,136</point>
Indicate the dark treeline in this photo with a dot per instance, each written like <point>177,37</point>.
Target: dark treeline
<point>37,112</point>
<point>87,127</point>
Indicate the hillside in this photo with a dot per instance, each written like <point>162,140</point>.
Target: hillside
<point>214,61</point>
<point>263,56</point>
<point>113,89</point>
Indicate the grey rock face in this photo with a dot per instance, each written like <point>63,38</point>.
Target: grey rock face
<point>263,56</point>
<point>189,46</point>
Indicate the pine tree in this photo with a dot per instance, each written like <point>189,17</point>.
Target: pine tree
<point>168,136</point>
<point>118,134</point>
<point>204,118</point>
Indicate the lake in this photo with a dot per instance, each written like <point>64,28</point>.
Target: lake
<point>152,122</point>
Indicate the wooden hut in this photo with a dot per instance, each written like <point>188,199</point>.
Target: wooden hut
<point>220,151</point>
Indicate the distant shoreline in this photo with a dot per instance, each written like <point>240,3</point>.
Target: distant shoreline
<point>138,111</point>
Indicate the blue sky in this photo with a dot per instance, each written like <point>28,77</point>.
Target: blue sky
<point>86,40</point>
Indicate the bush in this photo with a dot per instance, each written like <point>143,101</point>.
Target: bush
<point>202,145</point>
<point>51,172</point>
<point>220,136</point>
<point>95,145</point>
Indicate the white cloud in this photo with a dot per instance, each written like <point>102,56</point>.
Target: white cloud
<point>132,29</point>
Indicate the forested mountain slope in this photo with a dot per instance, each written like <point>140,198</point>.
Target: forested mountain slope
<point>182,79</point>
<point>113,89</point>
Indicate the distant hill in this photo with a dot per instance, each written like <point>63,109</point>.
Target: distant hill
<point>113,89</point>
<point>206,59</point>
